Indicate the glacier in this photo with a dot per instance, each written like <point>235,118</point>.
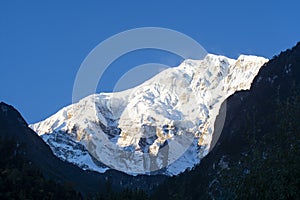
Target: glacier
<point>162,126</point>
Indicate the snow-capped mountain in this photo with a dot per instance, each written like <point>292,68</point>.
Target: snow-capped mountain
<point>164,125</point>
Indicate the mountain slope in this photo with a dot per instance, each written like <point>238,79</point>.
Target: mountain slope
<point>256,157</point>
<point>13,128</point>
<point>258,153</point>
<point>164,125</point>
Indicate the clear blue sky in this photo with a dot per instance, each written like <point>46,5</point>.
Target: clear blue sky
<point>43,43</point>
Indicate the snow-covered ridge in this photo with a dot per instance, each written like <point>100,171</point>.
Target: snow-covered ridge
<point>168,121</point>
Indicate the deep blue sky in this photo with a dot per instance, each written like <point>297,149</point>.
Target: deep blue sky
<point>43,44</point>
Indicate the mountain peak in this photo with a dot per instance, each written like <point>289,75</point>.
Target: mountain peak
<point>165,125</point>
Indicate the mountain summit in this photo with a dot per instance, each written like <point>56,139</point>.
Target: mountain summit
<point>164,125</point>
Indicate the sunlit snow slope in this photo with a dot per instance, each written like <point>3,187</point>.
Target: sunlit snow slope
<point>164,125</point>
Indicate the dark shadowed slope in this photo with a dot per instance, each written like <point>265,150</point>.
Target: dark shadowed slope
<point>13,127</point>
